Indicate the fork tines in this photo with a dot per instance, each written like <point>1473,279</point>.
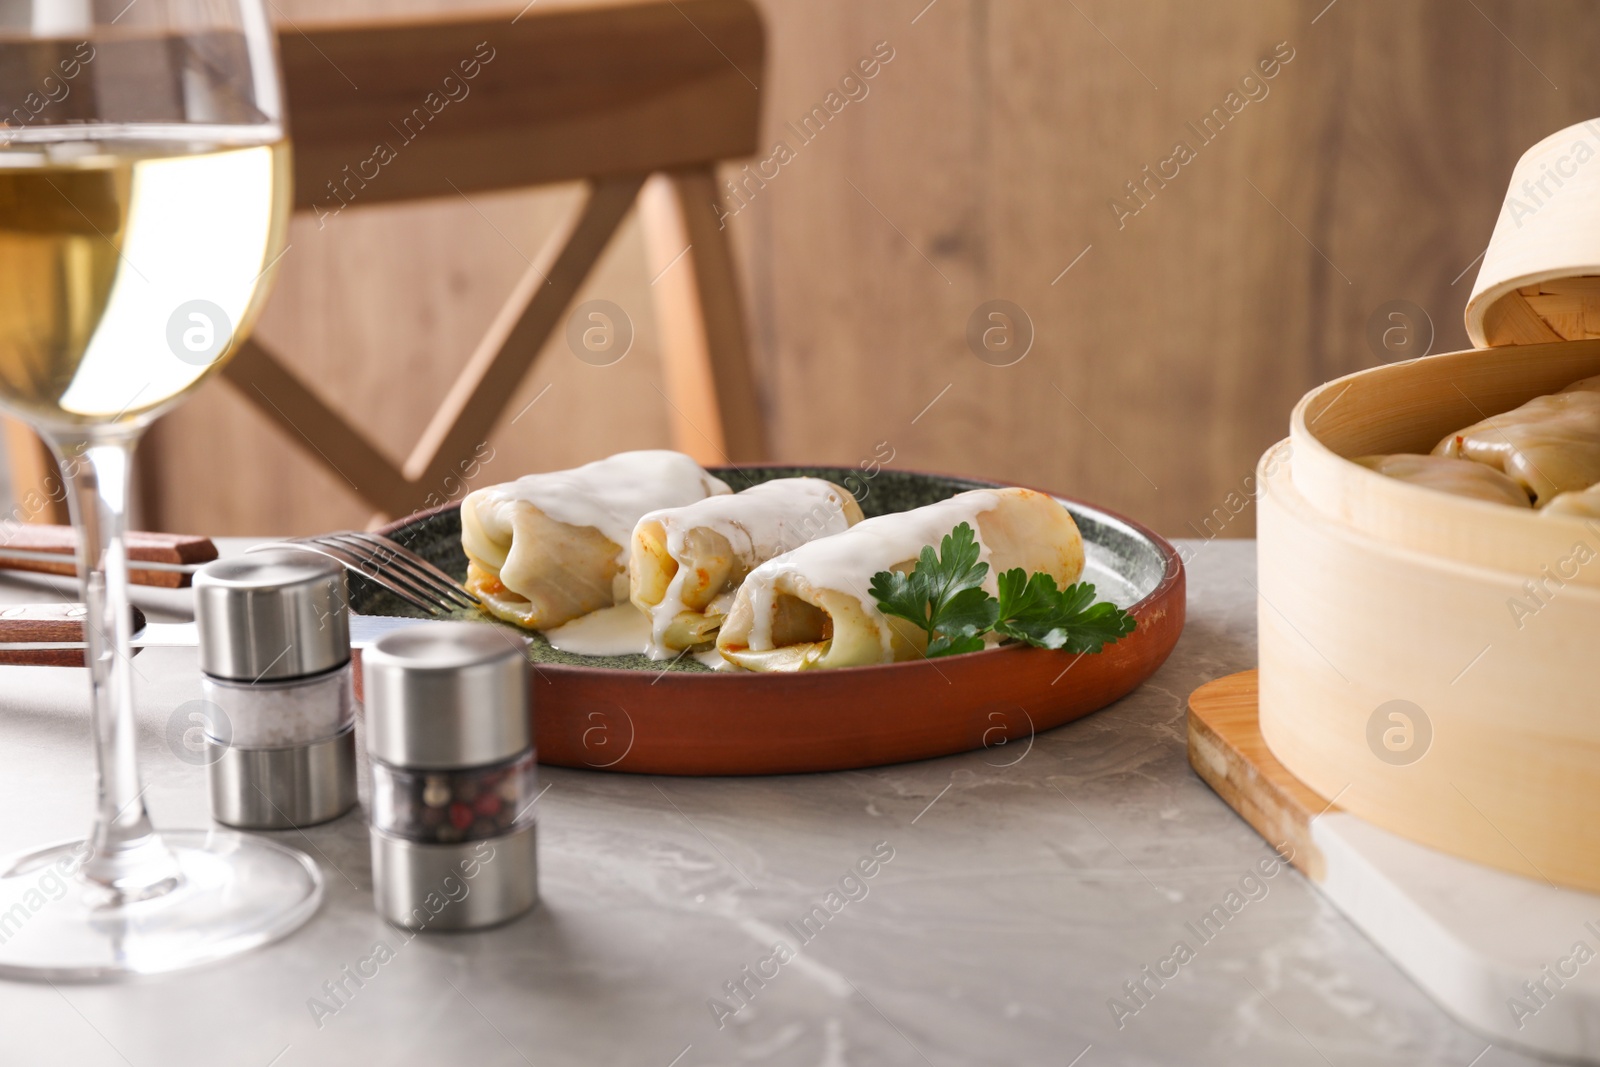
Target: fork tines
<point>394,567</point>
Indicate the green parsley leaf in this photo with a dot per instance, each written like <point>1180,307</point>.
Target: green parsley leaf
<point>1031,609</point>
<point>904,596</point>
<point>1027,605</point>
<point>969,613</point>
<point>956,568</point>
<point>943,596</point>
<point>944,646</point>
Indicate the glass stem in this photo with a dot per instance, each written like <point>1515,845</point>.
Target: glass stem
<point>126,859</point>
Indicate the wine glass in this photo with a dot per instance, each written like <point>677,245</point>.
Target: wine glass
<point>144,196</point>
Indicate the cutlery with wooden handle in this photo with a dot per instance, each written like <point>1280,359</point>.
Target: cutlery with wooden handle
<point>54,630</point>
<point>51,635</point>
<point>159,559</point>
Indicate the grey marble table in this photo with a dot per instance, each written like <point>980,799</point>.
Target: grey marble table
<point>1026,886</point>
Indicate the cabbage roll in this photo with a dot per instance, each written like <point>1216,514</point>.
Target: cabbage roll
<point>812,607</point>
<point>688,562</point>
<point>547,548</point>
<point>1459,477</point>
<point>1549,446</point>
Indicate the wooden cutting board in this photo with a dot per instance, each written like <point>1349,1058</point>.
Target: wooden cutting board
<point>1496,950</point>
<point>1227,751</point>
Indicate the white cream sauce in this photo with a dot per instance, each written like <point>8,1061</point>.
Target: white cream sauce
<point>847,561</point>
<point>713,659</point>
<point>760,523</point>
<point>619,630</point>
<point>609,494</point>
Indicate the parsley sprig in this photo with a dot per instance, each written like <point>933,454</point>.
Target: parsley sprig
<point>944,597</point>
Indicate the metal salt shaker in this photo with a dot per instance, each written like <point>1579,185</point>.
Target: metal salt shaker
<point>450,736</point>
<point>275,659</point>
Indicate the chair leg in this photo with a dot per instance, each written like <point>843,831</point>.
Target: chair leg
<point>35,480</point>
<point>717,416</point>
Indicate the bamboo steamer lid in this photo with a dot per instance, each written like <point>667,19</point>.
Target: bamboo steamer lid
<point>1540,278</point>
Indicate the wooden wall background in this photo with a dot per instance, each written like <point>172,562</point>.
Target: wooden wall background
<point>978,167</point>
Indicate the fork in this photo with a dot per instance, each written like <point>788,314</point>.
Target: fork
<point>391,565</point>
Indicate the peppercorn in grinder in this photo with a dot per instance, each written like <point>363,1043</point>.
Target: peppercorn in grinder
<point>450,738</point>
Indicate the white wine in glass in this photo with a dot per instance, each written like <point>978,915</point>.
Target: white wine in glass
<point>144,194</point>
<point>102,244</point>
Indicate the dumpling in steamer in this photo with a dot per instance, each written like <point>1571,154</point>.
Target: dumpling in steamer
<point>1549,446</point>
<point>812,607</point>
<point>1583,504</point>
<point>1459,477</point>
<point>548,548</point>
<point>688,562</point>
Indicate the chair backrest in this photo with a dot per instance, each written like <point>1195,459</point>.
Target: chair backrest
<point>444,108</point>
<point>558,94</point>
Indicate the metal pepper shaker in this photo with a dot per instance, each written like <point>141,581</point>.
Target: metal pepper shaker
<point>275,659</point>
<point>450,736</point>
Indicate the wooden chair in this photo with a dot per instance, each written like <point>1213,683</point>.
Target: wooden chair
<point>610,94</point>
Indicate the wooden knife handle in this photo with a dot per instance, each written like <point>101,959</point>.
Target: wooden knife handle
<point>63,541</point>
<point>34,623</point>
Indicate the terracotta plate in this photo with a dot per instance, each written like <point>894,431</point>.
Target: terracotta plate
<point>628,713</point>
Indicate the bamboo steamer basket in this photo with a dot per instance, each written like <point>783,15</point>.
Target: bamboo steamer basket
<point>1431,663</point>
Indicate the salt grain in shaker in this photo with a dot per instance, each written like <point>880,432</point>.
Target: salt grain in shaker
<point>275,658</point>
<point>453,779</point>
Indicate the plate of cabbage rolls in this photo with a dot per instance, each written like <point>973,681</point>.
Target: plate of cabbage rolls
<point>768,619</point>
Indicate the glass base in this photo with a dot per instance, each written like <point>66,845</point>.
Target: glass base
<point>236,893</point>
